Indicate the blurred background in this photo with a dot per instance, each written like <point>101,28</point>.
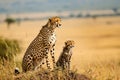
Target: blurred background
<point>40,9</point>
<point>94,25</point>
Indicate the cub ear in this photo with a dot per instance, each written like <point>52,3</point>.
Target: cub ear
<point>65,43</point>
<point>49,19</point>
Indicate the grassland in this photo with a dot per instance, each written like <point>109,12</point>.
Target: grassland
<point>97,49</point>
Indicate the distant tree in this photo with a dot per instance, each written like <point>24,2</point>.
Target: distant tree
<point>18,21</point>
<point>94,17</point>
<point>71,15</point>
<point>9,21</point>
<point>79,15</point>
<point>87,15</point>
<point>115,10</point>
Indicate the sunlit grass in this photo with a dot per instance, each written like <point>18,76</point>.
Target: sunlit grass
<point>8,50</point>
<point>103,70</point>
<point>96,53</point>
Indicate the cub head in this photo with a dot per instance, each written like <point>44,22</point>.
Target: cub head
<point>55,22</point>
<point>69,44</point>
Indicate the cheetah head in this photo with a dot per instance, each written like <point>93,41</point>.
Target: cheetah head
<point>69,43</point>
<point>55,22</point>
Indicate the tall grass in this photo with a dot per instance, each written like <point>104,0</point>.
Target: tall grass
<point>103,70</point>
<point>8,50</point>
<point>100,70</point>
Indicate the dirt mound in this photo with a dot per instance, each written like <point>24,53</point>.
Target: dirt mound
<point>47,75</point>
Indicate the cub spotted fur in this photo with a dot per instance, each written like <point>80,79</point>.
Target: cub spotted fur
<point>65,57</point>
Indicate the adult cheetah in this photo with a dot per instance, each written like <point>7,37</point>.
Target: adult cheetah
<point>40,47</point>
<point>65,57</point>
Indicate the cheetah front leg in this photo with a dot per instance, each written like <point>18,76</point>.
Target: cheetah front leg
<point>40,65</point>
<point>46,57</point>
<point>52,55</point>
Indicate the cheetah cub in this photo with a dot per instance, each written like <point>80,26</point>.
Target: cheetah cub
<point>65,57</point>
<point>43,44</point>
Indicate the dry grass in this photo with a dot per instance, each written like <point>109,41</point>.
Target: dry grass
<point>47,75</point>
<point>97,49</point>
<point>6,70</point>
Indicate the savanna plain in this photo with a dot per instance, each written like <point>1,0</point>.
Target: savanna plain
<point>97,44</point>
